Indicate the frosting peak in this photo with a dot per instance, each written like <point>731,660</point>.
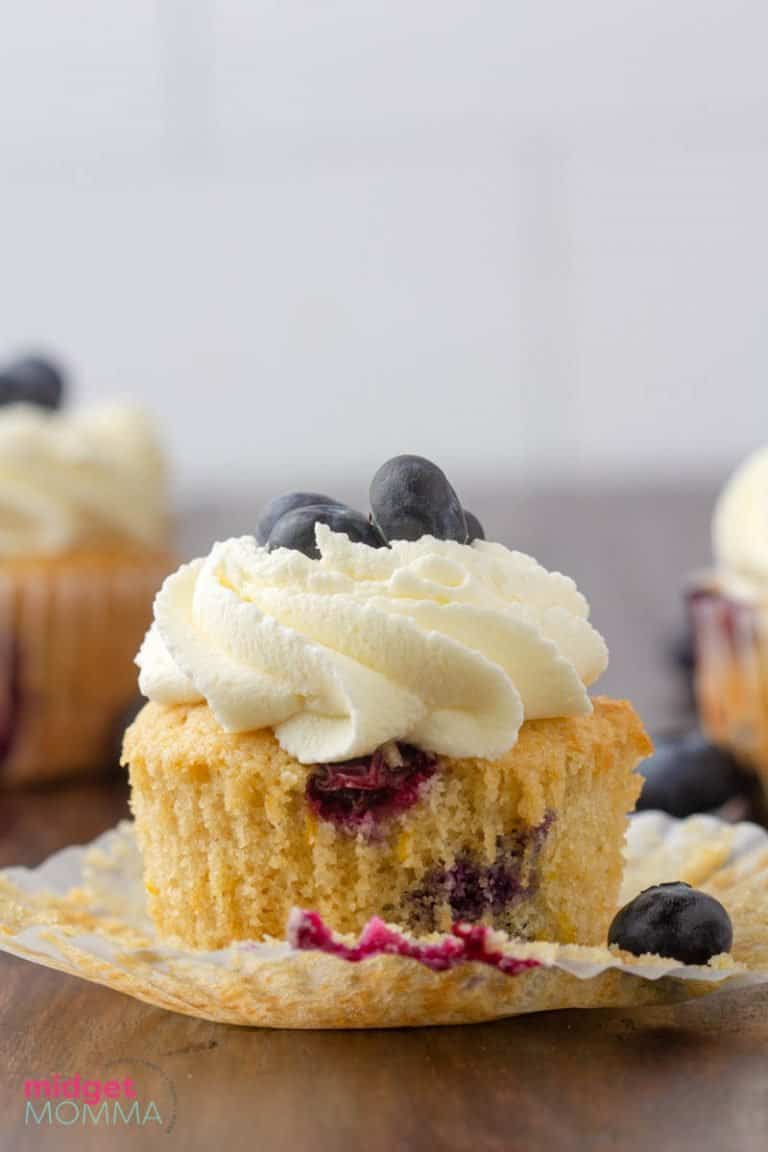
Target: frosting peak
<point>443,645</point>
<point>69,478</point>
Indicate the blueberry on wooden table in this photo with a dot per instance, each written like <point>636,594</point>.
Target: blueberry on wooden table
<point>411,497</point>
<point>673,920</point>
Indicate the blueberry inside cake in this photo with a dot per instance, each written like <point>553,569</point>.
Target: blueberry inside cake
<point>378,716</point>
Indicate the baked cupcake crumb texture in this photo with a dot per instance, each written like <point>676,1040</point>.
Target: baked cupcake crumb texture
<point>530,843</point>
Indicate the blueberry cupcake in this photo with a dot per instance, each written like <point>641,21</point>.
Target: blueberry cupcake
<point>83,548</point>
<point>729,614</point>
<point>384,716</point>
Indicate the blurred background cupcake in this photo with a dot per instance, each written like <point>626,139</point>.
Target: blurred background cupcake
<point>84,545</point>
<point>729,616</point>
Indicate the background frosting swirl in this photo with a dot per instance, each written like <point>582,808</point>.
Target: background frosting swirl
<point>740,525</point>
<point>67,479</point>
<point>446,646</point>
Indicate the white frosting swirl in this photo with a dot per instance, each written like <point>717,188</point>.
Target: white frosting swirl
<point>740,527</point>
<point>446,646</point>
<point>70,478</point>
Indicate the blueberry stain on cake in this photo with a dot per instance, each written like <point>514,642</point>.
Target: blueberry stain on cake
<point>357,795</point>
<point>475,890</point>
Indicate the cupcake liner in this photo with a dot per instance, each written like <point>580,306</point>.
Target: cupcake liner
<point>69,631</point>
<point>83,912</point>
<point>731,673</point>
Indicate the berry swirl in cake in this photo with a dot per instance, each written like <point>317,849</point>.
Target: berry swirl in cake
<point>382,715</point>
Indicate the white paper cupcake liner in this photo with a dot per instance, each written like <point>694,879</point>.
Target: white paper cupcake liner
<point>83,912</point>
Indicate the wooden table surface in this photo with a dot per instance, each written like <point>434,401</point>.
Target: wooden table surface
<point>690,1076</point>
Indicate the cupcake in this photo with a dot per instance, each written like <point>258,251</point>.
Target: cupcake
<point>83,548</point>
<point>728,607</point>
<point>384,717</point>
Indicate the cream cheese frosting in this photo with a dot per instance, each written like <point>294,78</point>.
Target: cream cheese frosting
<point>446,646</point>
<point>740,526</point>
<point>67,478</point>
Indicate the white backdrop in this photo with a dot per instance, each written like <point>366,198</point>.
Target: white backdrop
<point>528,235</point>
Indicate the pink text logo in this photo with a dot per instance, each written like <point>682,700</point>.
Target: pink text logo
<point>70,1100</point>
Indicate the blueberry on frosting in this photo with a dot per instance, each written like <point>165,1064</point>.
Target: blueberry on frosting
<point>32,380</point>
<point>475,530</point>
<point>411,497</point>
<point>673,920</point>
<point>281,505</point>
<point>296,529</point>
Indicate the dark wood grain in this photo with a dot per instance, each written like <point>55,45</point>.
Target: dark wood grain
<point>690,1076</point>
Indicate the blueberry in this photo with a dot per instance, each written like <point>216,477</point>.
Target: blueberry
<point>690,775</point>
<point>411,498</point>
<point>32,380</point>
<point>282,504</point>
<point>682,653</point>
<point>475,530</point>
<point>673,920</point>
<point>9,393</point>
<point>296,529</point>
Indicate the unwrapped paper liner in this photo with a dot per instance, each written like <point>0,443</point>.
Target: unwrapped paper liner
<point>83,912</point>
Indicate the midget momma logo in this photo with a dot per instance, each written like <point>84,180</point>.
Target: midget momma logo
<point>135,1092</point>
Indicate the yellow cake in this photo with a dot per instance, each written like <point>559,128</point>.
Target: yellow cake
<point>232,837</point>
